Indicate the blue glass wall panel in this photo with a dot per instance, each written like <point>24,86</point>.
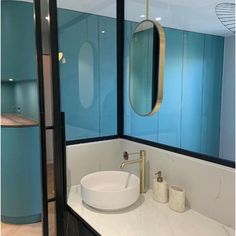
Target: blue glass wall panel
<point>169,115</point>
<point>107,73</point>
<point>99,118</point>
<point>211,99</point>
<point>192,91</point>
<point>189,117</point>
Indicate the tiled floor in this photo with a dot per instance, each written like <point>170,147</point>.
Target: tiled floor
<point>34,229</point>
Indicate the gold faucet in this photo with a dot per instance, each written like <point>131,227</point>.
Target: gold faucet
<point>142,161</point>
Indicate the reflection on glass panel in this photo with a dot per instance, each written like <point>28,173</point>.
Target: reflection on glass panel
<point>141,52</point>
<point>88,74</point>
<point>197,113</point>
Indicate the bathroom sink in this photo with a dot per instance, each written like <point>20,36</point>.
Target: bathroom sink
<point>110,190</point>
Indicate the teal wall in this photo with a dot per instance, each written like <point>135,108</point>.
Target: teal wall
<point>20,175</point>
<point>7,98</point>
<point>18,59</point>
<point>22,95</point>
<point>20,153</point>
<point>26,98</point>
<point>189,117</point>
<point>17,41</point>
<point>99,119</point>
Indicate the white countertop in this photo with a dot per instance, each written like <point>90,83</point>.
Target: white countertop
<point>146,218</point>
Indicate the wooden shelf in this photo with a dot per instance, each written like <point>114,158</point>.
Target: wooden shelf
<point>15,120</point>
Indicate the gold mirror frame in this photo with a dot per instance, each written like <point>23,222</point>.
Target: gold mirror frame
<point>160,68</point>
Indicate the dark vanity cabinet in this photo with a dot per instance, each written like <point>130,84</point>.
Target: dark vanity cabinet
<point>76,226</point>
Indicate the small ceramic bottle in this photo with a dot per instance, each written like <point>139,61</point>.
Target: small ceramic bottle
<point>160,189</point>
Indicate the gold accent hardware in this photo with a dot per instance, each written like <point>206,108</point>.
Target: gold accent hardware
<point>142,161</point>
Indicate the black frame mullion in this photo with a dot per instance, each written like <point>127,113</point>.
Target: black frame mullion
<point>41,102</point>
<point>120,14</point>
<point>58,138</point>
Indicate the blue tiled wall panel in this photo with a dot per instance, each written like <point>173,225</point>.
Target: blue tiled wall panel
<point>211,95</point>
<point>169,115</point>
<point>127,108</point>
<point>191,112</point>
<point>99,119</point>
<point>73,32</point>
<point>107,73</point>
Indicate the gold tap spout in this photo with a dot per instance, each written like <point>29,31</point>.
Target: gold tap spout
<point>142,161</point>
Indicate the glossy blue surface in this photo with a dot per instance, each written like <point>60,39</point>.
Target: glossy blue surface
<point>20,146</point>
<point>99,119</point>
<point>17,41</point>
<point>211,99</point>
<point>169,115</point>
<point>20,175</point>
<point>20,97</point>
<point>192,84</point>
<point>189,117</point>
<point>7,98</point>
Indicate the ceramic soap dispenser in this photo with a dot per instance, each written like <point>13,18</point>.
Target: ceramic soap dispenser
<point>160,189</point>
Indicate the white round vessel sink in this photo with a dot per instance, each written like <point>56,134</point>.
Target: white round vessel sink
<point>110,190</point>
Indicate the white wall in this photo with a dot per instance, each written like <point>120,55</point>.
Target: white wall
<point>227,129</point>
<point>210,188</point>
<point>83,159</point>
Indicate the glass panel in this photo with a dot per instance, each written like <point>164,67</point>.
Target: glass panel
<point>197,113</point>
<point>88,68</point>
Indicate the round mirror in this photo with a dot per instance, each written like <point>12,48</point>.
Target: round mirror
<point>146,67</point>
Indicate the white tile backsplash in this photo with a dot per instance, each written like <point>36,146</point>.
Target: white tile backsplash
<point>210,188</point>
<point>83,159</point>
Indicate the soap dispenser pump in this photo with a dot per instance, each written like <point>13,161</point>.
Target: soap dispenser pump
<point>160,188</point>
<point>159,178</point>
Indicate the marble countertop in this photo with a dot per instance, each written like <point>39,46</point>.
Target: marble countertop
<point>15,120</point>
<point>146,218</point>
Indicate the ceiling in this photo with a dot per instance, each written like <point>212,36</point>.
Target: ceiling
<point>191,15</point>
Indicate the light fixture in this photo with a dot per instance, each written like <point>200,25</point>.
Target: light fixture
<point>142,16</point>
<point>158,19</point>
<point>103,31</point>
<point>47,18</point>
<point>11,80</point>
<point>60,55</point>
